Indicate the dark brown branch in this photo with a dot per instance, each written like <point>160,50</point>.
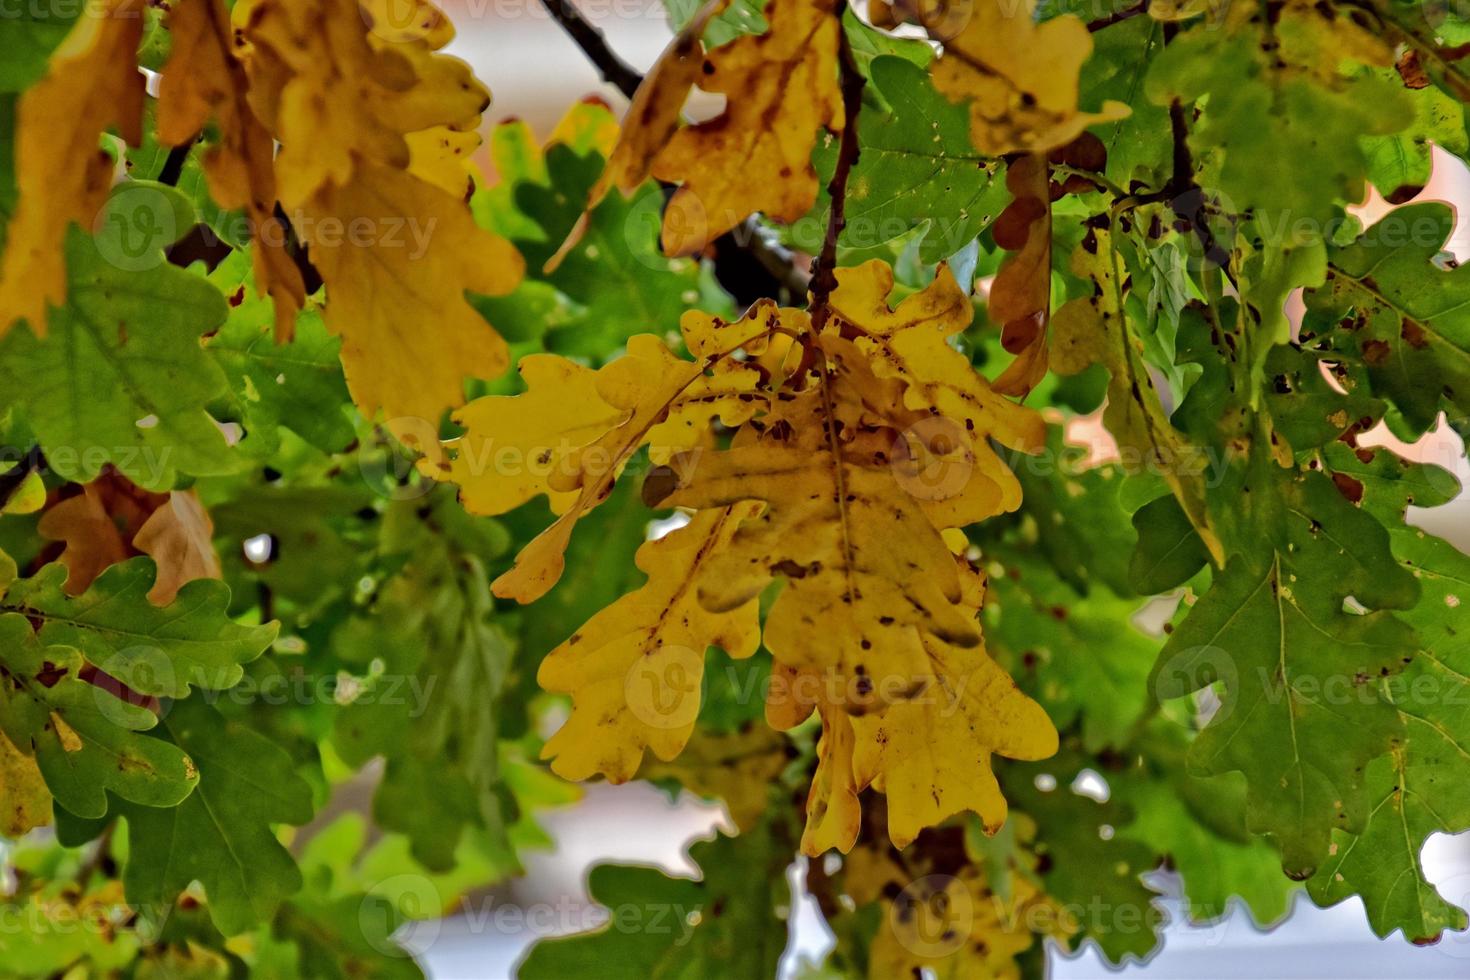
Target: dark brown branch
<point>1117,17</point>
<point>1188,199</point>
<point>614,70</point>
<point>173,164</point>
<point>745,254</point>
<point>824,270</point>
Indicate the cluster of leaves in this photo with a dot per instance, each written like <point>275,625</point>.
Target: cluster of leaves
<point>290,535</point>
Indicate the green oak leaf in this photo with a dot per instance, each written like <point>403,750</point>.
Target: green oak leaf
<point>120,377</point>
<point>221,836</point>
<point>1094,874</point>
<point>1399,164</point>
<point>1423,786</point>
<point>154,650</point>
<point>677,928</point>
<point>1298,674</point>
<point>1278,142</point>
<point>297,385</point>
<point>1306,409</point>
<point>1169,550</point>
<point>1041,627</point>
<point>1200,825</point>
<point>1420,788</point>
<point>85,740</point>
<point>1392,307</point>
<point>916,168</point>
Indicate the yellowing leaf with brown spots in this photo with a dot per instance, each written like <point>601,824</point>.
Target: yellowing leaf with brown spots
<point>570,436</point>
<point>803,454</point>
<point>634,669</point>
<point>61,173</point>
<point>972,709</point>
<point>781,90</point>
<point>202,80</point>
<point>25,802</point>
<point>966,480</point>
<point>865,570</point>
<point>371,125</point>
<point>1019,77</point>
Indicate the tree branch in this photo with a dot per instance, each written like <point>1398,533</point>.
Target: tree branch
<point>1117,17</point>
<point>824,270</point>
<point>614,70</point>
<point>772,263</point>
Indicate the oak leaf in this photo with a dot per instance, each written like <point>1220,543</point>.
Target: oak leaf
<point>204,80</point>
<point>1020,77</point>
<point>820,486</point>
<point>349,107</point>
<point>92,84</point>
<point>634,669</point>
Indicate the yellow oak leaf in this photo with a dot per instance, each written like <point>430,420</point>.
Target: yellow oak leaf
<point>780,89</point>
<point>370,126</point>
<point>654,114</point>
<point>511,443</point>
<point>582,436</point>
<point>634,669</point>
<point>409,336</point>
<point>972,708</point>
<point>25,802</point>
<point>865,570</point>
<point>1019,77</point>
<point>833,813</point>
<point>203,79</point>
<point>954,470</point>
<point>178,536</point>
<point>62,175</point>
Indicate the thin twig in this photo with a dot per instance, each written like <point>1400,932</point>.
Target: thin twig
<point>1117,17</point>
<point>1187,198</point>
<point>614,70</point>
<point>824,270</point>
<point>751,238</point>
